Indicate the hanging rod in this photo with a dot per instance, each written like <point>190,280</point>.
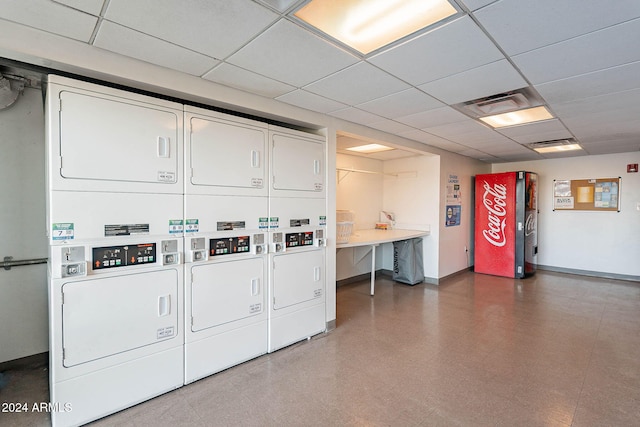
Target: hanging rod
<point>9,262</point>
<point>349,170</point>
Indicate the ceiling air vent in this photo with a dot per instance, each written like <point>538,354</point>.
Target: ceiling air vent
<point>498,104</point>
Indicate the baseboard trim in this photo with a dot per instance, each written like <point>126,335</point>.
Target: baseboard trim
<point>40,359</point>
<point>599,274</point>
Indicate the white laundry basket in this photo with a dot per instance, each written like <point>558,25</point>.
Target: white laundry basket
<point>343,231</point>
<point>344,225</point>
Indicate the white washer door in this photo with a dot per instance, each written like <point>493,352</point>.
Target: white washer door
<point>107,316</point>
<point>297,278</point>
<point>225,292</point>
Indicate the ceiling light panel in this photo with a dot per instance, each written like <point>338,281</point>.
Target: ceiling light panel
<point>370,148</point>
<point>558,148</point>
<point>519,117</point>
<point>367,25</point>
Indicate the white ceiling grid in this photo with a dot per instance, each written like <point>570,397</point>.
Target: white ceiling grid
<point>580,56</point>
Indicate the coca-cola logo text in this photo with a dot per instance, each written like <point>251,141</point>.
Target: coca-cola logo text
<point>494,200</point>
<point>530,225</point>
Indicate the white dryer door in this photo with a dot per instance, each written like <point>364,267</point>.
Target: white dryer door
<point>105,139</point>
<point>111,315</point>
<point>298,164</point>
<point>227,155</point>
<point>225,292</point>
<point>297,278</point>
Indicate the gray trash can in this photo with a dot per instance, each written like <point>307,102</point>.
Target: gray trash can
<point>407,261</point>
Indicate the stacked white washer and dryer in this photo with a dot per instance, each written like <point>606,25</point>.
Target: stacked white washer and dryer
<point>297,240</point>
<point>182,241</point>
<point>114,222</point>
<point>226,205</point>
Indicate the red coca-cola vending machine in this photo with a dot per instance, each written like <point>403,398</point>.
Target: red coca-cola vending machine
<point>506,224</point>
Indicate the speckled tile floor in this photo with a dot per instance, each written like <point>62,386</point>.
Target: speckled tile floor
<point>550,350</point>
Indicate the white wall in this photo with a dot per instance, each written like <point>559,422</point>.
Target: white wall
<point>413,196</point>
<point>23,290</point>
<point>454,239</point>
<point>362,194</point>
<point>601,242</point>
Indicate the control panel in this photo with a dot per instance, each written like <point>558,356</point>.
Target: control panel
<point>229,245</point>
<point>293,240</point>
<point>123,255</point>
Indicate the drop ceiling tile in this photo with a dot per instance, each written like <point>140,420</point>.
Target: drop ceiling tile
<point>216,28</point>
<point>596,129</point>
<point>624,145</point>
<point>614,106</point>
<point>452,48</point>
<point>452,130</point>
<point>236,77</point>
<point>445,144</point>
<point>610,80</point>
<point>400,104</point>
<point>480,139</point>
<point>357,84</point>
<point>356,115</point>
<point>517,157</point>
<point>476,4</point>
<point>311,101</point>
<point>291,54</point>
<point>486,80</point>
<point>90,6</point>
<point>435,117</point>
<point>595,51</point>
<point>50,17</point>
<point>519,26</point>
<point>390,126</point>
<point>122,40</point>
<point>535,132</point>
<point>476,154</point>
<point>280,5</point>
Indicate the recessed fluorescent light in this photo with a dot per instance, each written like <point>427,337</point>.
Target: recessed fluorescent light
<point>558,148</point>
<point>367,25</point>
<point>370,148</point>
<point>519,117</point>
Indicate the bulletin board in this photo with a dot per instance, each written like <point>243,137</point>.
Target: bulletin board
<point>601,194</point>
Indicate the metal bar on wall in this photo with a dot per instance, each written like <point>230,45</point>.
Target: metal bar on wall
<point>9,262</point>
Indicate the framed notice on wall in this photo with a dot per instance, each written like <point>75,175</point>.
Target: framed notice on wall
<point>601,194</point>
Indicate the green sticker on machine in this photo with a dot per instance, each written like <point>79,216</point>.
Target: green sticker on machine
<point>62,231</point>
<point>176,226</point>
<point>191,225</point>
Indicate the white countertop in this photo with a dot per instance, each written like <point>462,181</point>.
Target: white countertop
<point>376,237</point>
